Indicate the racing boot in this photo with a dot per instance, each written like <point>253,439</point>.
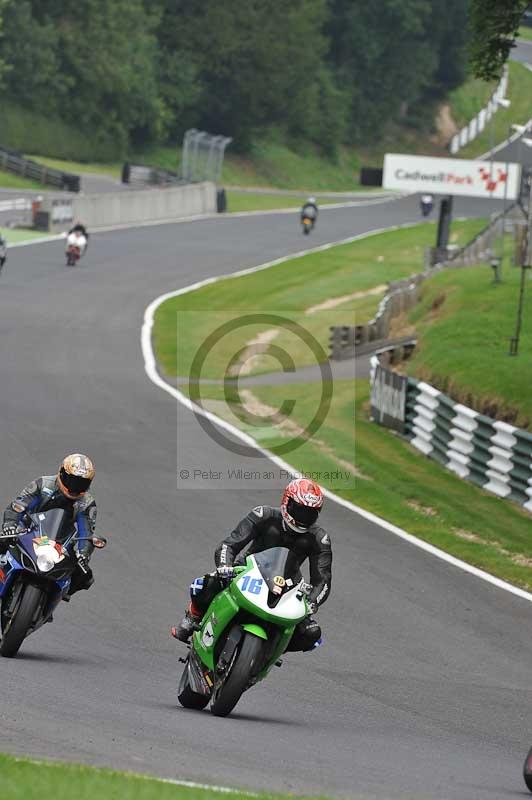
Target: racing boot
<point>188,625</point>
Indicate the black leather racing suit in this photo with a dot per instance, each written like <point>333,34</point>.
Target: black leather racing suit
<point>44,494</point>
<point>310,210</point>
<point>261,529</point>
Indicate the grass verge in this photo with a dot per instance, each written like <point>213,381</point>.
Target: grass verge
<point>77,167</point>
<point>465,322</point>
<point>361,461</point>
<point>249,201</point>
<point>8,180</point>
<point>23,779</point>
<point>520,111</point>
<point>376,469</point>
<point>525,33</point>
<point>17,235</point>
<point>354,273</point>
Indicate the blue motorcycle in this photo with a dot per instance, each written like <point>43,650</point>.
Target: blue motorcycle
<point>35,575</point>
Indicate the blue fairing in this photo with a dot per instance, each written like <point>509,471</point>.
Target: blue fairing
<point>11,565</point>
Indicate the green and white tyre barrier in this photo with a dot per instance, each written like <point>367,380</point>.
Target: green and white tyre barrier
<point>492,454</point>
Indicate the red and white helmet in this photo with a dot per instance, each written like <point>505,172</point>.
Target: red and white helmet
<point>302,502</point>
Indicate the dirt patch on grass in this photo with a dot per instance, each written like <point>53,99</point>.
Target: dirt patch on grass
<point>345,298</point>
<point>252,355</point>
<point>469,536</point>
<point>437,303</point>
<point>253,405</point>
<point>445,126</point>
<point>521,560</point>
<point>427,511</point>
<point>400,326</point>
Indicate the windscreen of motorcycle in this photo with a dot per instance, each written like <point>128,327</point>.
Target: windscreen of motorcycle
<point>52,524</point>
<point>279,567</point>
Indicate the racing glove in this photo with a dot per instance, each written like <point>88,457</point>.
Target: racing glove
<point>225,572</point>
<point>312,608</point>
<point>83,562</point>
<point>9,529</point>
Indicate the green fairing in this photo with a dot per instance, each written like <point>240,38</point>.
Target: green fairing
<point>224,607</point>
<point>256,630</point>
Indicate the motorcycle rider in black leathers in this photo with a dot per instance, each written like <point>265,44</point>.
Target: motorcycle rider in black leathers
<point>67,490</point>
<point>310,210</point>
<point>294,526</point>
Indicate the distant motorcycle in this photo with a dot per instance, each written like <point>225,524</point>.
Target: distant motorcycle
<point>427,204</point>
<point>73,254</point>
<point>35,575</point>
<point>308,224</point>
<point>76,244</point>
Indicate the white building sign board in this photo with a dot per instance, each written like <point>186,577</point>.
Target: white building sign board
<point>455,176</point>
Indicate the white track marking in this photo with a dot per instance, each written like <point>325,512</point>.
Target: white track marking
<point>150,367</point>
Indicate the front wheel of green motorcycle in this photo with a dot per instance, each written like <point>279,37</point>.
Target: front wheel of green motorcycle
<point>186,696</point>
<point>237,681</point>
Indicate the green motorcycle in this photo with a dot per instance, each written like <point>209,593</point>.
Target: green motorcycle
<point>245,630</point>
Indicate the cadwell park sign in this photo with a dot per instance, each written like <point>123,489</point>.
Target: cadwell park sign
<point>452,176</point>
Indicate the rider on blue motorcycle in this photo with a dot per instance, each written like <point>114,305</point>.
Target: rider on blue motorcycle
<point>67,490</point>
<point>294,526</point>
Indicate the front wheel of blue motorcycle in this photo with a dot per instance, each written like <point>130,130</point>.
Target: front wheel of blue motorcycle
<point>243,669</point>
<point>23,615</point>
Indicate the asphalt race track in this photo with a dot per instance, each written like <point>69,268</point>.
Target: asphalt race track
<point>423,687</point>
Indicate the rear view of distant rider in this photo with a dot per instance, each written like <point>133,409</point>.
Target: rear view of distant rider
<point>79,237</point>
<point>310,210</point>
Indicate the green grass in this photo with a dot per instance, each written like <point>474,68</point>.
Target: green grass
<point>23,779</point>
<point>115,170</point>
<point>289,289</point>
<point>15,235</point>
<point>8,180</point>
<point>272,164</point>
<point>30,131</point>
<point>250,201</point>
<point>520,111</point>
<point>525,33</point>
<point>464,322</point>
<point>467,100</point>
<point>390,478</point>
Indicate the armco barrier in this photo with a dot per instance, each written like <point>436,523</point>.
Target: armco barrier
<point>487,452</point>
<point>11,161</point>
<point>140,175</point>
<point>478,123</point>
<point>130,208</point>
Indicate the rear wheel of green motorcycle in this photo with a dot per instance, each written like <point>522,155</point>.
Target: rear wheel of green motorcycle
<point>18,625</point>
<point>229,693</point>
<point>186,696</point>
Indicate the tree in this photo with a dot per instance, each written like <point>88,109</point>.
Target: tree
<point>255,64</point>
<point>30,48</point>
<point>494,25</point>
<point>384,54</point>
